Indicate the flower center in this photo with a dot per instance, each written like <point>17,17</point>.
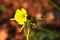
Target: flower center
<point>23,16</point>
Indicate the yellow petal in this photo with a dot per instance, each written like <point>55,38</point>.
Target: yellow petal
<point>23,10</point>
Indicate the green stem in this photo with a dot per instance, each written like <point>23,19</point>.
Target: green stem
<point>55,5</point>
<point>27,36</point>
<point>22,27</point>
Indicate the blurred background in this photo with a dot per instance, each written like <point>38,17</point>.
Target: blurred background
<point>45,12</point>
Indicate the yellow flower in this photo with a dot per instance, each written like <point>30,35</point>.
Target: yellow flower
<point>20,16</point>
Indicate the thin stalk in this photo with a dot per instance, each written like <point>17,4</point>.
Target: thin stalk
<point>55,5</point>
<point>27,36</point>
<point>22,27</point>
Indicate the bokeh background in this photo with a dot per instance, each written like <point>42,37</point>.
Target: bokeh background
<point>47,10</point>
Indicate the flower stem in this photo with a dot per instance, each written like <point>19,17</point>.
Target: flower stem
<point>27,36</point>
<point>22,27</point>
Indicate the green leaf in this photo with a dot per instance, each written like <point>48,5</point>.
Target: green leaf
<point>54,5</point>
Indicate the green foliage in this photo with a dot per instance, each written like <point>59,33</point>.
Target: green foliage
<point>54,5</point>
<point>40,33</point>
<point>44,34</point>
